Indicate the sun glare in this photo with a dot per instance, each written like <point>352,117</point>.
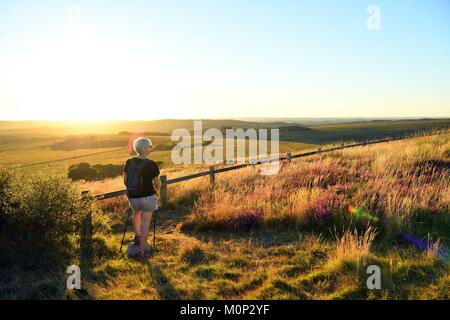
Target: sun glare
<point>86,77</point>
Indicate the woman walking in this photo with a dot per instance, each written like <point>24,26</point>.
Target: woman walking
<point>141,177</point>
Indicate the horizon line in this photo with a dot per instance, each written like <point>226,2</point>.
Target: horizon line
<point>230,118</point>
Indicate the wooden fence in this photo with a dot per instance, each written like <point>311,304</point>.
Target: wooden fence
<point>213,171</point>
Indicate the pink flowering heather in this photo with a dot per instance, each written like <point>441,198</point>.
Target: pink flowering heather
<point>325,205</point>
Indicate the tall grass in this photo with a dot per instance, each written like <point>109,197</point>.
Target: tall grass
<point>354,245</point>
<point>400,182</point>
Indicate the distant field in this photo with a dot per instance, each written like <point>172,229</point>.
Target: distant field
<point>321,134</point>
<point>42,147</point>
<point>35,157</point>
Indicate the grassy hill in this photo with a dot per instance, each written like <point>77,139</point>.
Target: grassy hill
<point>290,236</point>
<point>286,236</point>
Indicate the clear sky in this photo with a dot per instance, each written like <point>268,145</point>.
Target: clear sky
<point>232,58</point>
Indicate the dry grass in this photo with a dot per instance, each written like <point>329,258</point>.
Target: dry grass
<point>391,184</point>
<point>354,245</point>
<point>268,237</point>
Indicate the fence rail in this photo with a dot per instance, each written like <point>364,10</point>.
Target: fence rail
<point>212,171</point>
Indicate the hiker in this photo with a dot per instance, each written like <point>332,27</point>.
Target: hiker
<point>141,177</point>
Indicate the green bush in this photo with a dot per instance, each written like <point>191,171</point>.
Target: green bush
<point>37,220</point>
<point>5,190</point>
<point>84,171</point>
<point>5,199</point>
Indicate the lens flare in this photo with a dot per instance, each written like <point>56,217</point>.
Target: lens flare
<point>361,213</point>
<point>441,252</point>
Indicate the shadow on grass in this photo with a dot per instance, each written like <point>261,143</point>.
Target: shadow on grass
<point>166,220</point>
<point>162,284</point>
<point>264,236</point>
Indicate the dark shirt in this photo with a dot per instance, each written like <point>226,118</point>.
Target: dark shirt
<point>149,172</point>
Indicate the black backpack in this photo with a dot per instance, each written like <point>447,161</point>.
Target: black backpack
<point>134,182</point>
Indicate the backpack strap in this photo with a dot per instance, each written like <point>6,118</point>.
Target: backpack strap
<point>139,165</point>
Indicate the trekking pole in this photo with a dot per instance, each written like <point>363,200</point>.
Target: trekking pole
<point>154,229</point>
<point>125,230</point>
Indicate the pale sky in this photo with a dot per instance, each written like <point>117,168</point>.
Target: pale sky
<point>208,59</point>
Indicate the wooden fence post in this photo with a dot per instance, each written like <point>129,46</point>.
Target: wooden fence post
<point>289,157</point>
<point>212,176</point>
<point>86,250</point>
<point>163,192</point>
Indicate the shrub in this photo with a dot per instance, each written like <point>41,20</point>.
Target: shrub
<point>5,198</point>
<point>84,171</point>
<point>36,229</point>
<point>5,191</point>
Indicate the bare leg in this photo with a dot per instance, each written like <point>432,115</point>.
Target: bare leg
<point>145,227</point>
<point>137,222</point>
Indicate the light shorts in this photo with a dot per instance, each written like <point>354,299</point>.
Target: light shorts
<point>145,204</point>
